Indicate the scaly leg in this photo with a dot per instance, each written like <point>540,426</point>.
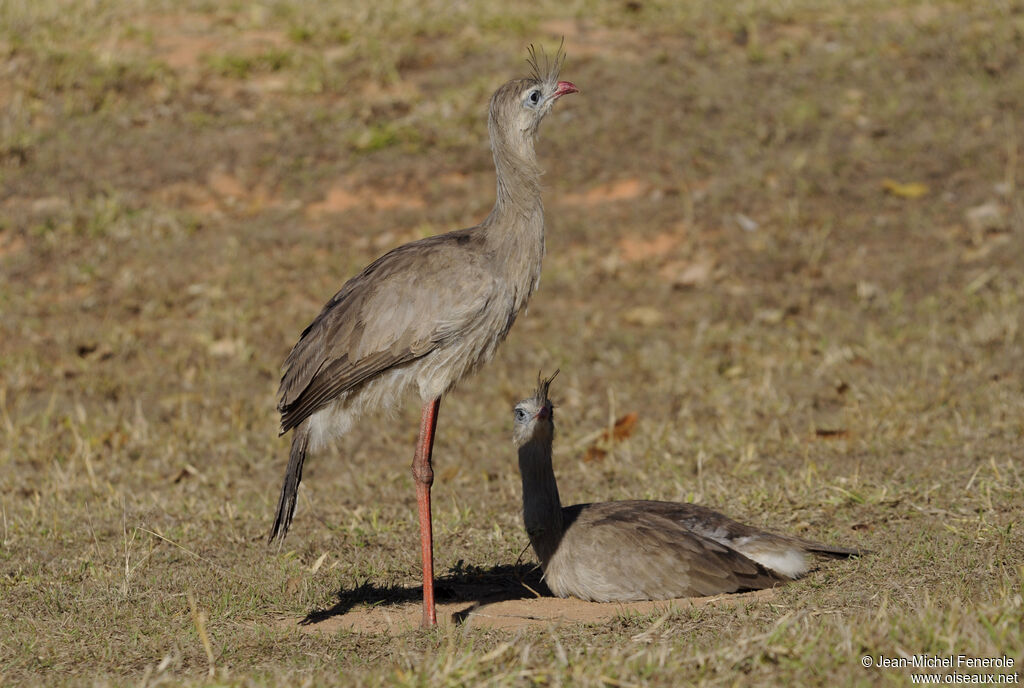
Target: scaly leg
<point>423,475</point>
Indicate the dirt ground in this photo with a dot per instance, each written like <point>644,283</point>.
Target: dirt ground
<point>506,614</point>
<point>784,277</point>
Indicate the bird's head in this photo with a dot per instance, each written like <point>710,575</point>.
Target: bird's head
<point>518,107</point>
<point>534,417</point>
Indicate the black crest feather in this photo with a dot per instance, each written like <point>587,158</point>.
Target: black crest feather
<point>548,72</point>
<point>541,395</point>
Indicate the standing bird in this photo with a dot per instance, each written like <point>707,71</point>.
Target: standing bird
<point>426,314</point>
<point>641,550</point>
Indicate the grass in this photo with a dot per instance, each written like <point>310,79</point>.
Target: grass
<point>847,369</point>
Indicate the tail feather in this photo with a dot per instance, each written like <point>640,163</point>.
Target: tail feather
<point>835,552</point>
<point>292,478</point>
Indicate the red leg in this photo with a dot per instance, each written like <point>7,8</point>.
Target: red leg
<point>423,475</point>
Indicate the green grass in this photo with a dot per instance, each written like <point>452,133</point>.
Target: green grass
<point>146,312</point>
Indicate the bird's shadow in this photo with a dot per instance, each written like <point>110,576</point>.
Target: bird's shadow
<point>470,584</point>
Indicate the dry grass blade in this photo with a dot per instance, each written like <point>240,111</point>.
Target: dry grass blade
<point>199,619</point>
<point>648,635</point>
<point>184,549</point>
<point>318,563</point>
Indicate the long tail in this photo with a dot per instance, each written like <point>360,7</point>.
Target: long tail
<point>292,478</point>
<point>834,552</point>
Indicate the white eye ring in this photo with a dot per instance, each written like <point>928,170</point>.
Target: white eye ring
<point>520,414</point>
<point>534,97</point>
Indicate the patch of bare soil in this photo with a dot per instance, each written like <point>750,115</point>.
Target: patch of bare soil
<point>223,193</point>
<point>588,39</point>
<point>620,190</point>
<point>184,40</point>
<point>346,195</point>
<point>505,613</point>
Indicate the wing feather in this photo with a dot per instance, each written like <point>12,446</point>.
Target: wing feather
<point>647,554</point>
<point>402,307</point>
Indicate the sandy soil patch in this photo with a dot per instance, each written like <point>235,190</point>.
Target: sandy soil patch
<point>589,40</point>
<point>345,196</point>
<point>620,190</point>
<point>504,613</point>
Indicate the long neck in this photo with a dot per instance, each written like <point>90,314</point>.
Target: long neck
<point>514,230</point>
<point>542,509</point>
<point>518,177</point>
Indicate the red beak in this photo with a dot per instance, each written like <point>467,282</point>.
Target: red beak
<point>564,88</point>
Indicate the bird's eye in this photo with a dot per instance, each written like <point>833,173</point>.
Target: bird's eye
<point>520,414</point>
<point>534,97</point>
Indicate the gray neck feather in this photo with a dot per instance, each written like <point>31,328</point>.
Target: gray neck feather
<point>542,509</point>
<point>515,228</point>
<point>518,174</point>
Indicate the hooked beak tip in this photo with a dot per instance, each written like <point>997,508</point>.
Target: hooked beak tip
<point>565,88</point>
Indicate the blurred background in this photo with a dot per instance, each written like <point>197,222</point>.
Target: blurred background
<point>784,279</point>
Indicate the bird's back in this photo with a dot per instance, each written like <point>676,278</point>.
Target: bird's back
<point>440,303</point>
<point>637,550</point>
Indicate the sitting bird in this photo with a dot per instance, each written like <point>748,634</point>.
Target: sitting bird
<point>426,314</point>
<point>639,549</point>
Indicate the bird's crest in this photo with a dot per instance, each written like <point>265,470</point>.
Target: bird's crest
<point>548,72</point>
<point>541,395</point>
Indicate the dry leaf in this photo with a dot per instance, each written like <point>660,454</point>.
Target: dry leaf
<point>646,316</point>
<point>770,316</point>
<point>983,251</point>
<point>187,471</point>
<point>986,217</point>
<point>733,371</point>
<point>223,348</point>
<point>868,291</point>
<point>622,429</point>
<point>981,280</point>
<point>318,563</point>
<point>904,190</point>
<point>747,224</point>
<point>683,275</point>
<point>84,350</point>
<point>99,352</point>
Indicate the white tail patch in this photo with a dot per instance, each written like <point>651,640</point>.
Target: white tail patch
<point>381,394</point>
<point>791,563</point>
<point>785,560</point>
